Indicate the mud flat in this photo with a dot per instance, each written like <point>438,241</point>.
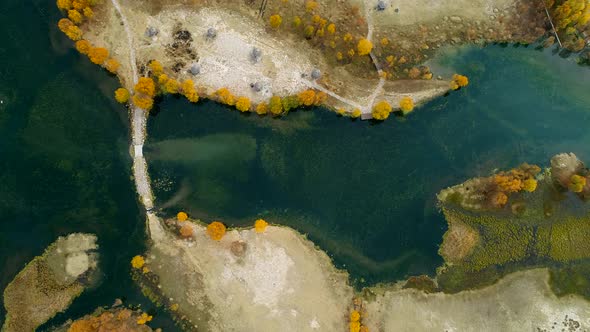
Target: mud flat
<point>50,282</point>
<point>522,301</point>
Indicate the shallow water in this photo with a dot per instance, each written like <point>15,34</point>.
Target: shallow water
<point>362,191</point>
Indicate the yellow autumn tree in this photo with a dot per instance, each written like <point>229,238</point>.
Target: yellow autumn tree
<point>75,16</point>
<point>243,104</point>
<point>307,97</point>
<point>88,12</point>
<point>260,225</point>
<point>83,46</point>
<point>63,24</point>
<point>311,5</point>
<point>406,105</point>
<point>355,316</point>
<point>262,108</point>
<point>80,4</point>
<point>171,86</point>
<point>122,95</point>
<point>381,110</point>
<point>146,86</point>
<point>356,113</point>
<point>577,183</point>
<point>530,185</point>
<point>143,102</point>
<point>98,55</point>
<point>459,81</point>
<point>275,21</point>
<point>225,97</point>
<point>137,262</point>
<point>189,91</point>
<point>112,65</point>
<point>156,67</point>
<point>320,98</point>
<point>216,230</point>
<point>364,46</point>
<point>331,28</point>
<point>64,4</point>
<point>275,105</point>
<point>181,216</point>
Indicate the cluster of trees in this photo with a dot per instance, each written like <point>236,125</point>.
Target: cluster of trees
<point>77,11</point>
<point>505,183</point>
<point>120,319</point>
<point>572,18</point>
<point>144,92</point>
<point>382,109</point>
<point>342,46</point>
<point>356,315</point>
<point>98,55</point>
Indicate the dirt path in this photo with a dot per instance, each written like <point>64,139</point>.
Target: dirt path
<point>138,127</point>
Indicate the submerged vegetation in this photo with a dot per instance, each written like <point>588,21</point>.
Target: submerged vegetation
<point>542,218</point>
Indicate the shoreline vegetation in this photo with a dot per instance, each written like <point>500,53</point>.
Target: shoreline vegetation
<point>358,59</point>
<point>275,271</point>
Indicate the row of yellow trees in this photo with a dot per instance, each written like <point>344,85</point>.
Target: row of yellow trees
<point>382,109</point>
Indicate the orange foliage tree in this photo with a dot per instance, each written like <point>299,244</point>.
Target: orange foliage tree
<point>112,65</point>
<point>459,81</point>
<point>83,46</point>
<point>216,230</point>
<point>98,55</point>
<point>181,216</point>
<point>307,97</point>
<point>260,225</point>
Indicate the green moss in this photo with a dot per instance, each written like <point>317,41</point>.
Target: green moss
<point>456,278</point>
<point>571,279</point>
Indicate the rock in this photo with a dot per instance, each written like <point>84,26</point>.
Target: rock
<point>195,69</point>
<point>495,10</point>
<point>211,33</point>
<point>456,40</point>
<point>381,5</point>
<point>151,32</point>
<point>316,73</point>
<point>255,55</point>
<point>256,86</point>
<point>456,19</point>
<point>492,17</point>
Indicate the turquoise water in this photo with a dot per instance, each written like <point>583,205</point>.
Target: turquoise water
<point>362,191</point>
